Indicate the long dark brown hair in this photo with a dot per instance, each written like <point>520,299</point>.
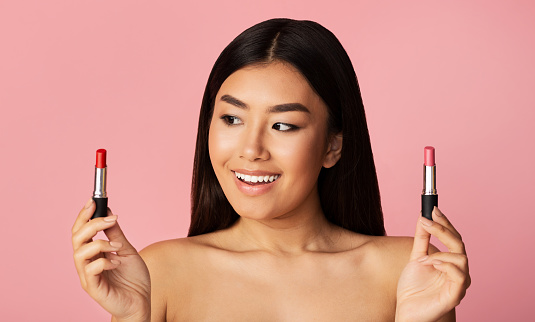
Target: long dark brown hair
<point>349,192</point>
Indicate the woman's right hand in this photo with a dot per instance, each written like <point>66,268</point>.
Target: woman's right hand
<point>119,282</point>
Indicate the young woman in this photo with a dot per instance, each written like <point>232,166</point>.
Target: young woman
<point>286,216</point>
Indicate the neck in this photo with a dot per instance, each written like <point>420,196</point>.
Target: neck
<point>291,234</point>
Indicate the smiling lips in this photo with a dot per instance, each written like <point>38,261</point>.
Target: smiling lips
<point>256,179</point>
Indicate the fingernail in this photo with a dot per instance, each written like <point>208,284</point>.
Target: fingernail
<point>436,262</point>
<point>115,244</point>
<point>421,259</point>
<point>115,262</point>
<point>437,212</point>
<point>88,203</point>
<point>426,222</point>
<point>110,218</point>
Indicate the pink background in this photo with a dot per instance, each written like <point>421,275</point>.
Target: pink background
<point>128,76</point>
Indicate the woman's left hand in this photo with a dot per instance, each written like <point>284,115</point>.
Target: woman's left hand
<point>433,283</point>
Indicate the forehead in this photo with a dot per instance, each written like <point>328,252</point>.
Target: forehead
<point>268,85</point>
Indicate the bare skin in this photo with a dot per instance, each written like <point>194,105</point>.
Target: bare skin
<point>350,277</point>
<point>282,260</point>
<point>220,277</point>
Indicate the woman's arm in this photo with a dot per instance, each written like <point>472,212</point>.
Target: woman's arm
<point>448,317</point>
<point>153,256</point>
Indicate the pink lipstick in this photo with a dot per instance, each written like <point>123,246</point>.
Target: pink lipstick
<point>99,193</point>
<point>429,192</point>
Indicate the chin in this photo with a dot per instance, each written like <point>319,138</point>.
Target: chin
<point>255,213</point>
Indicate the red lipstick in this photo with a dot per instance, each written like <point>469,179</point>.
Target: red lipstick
<point>99,193</point>
<point>429,192</point>
<point>101,159</point>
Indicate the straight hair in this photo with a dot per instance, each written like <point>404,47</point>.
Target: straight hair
<point>348,191</point>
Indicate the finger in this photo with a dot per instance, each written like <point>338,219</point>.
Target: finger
<point>460,280</point>
<point>421,242</point>
<point>439,217</point>
<point>116,234</point>
<point>84,254</point>
<point>84,215</point>
<point>446,236</point>
<point>459,260</point>
<point>90,229</point>
<point>93,270</point>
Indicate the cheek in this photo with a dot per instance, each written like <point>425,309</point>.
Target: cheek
<point>220,146</point>
<point>303,155</point>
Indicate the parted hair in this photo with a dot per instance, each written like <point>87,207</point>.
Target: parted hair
<point>349,191</point>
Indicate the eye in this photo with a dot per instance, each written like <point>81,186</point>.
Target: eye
<point>283,127</point>
<point>231,120</point>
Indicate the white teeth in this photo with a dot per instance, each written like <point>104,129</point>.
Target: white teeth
<point>255,179</point>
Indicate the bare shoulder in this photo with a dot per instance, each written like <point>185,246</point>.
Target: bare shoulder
<point>175,252</point>
<point>174,265</point>
<point>387,256</point>
<point>157,250</point>
<point>394,252</point>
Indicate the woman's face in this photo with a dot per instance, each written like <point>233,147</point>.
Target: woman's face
<point>268,141</point>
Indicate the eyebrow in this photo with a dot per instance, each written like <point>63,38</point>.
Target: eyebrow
<point>287,107</point>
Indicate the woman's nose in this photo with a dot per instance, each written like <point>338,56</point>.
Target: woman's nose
<point>253,145</point>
